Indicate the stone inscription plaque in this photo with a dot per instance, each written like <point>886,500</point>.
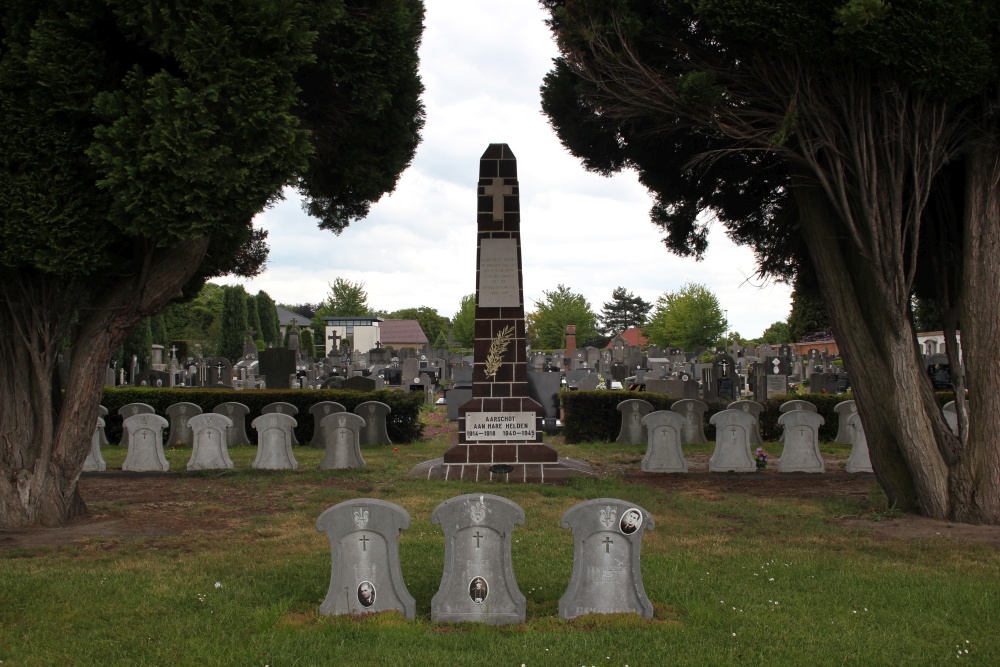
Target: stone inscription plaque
<point>485,426</point>
<point>498,274</point>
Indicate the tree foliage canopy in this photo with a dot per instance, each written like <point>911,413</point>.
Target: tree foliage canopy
<point>557,309</point>
<point>688,318</point>
<point>624,311</point>
<point>463,328</point>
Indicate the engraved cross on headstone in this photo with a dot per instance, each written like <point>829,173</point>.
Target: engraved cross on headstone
<point>497,190</point>
<point>478,537</point>
<point>607,544</point>
<point>364,542</point>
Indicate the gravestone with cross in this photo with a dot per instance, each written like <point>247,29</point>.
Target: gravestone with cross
<point>341,435</point>
<point>663,446</point>
<point>285,409</point>
<point>693,411</point>
<point>180,432</point>
<point>725,382</point>
<point>319,411</point>
<point>606,576</point>
<point>478,583</point>
<point>274,442</point>
<point>632,431</point>
<point>130,410</point>
<point>844,410</point>
<point>95,462</point>
<point>859,459</point>
<point>801,438</point>
<point>733,433</point>
<point>375,414</point>
<point>144,432</point>
<point>236,436</point>
<point>209,451</point>
<point>365,574</point>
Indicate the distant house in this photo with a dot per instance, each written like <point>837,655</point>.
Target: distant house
<point>363,332</point>
<point>633,337</point>
<point>403,333</point>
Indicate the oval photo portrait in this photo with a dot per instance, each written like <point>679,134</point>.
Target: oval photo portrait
<point>630,522</point>
<point>366,594</point>
<point>478,590</point>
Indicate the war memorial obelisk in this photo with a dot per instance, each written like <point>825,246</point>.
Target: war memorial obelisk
<point>499,429</point>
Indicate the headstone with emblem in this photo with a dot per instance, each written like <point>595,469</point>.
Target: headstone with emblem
<point>274,442</point>
<point>859,459</point>
<point>478,583</point>
<point>341,435</point>
<point>130,410</point>
<point>236,435</point>
<point>319,411</point>
<point>500,428</point>
<point>102,412</point>
<point>209,451</point>
<point>693,411</point>
<point>365,575</point>
<point>801,438</point>
<point>606,576</point>
<point>375,414</point>
<point>663,447</point>
<point>632,431</point>
<point>285,409</point>
<point>144,433</point>
<point>844,410</point>
<point>752,408</point>
<point>733,433</point>
<point>180,432</point>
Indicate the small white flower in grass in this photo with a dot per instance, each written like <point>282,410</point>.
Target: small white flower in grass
<point>771,579</point>
<point>734,634</point>
<point>218,584</point>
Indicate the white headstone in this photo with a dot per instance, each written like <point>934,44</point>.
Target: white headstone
<point>274,442</point>
<point>733,434</point>
<point>145,443</point>
<point>210,450</point>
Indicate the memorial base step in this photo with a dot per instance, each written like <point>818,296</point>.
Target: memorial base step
<point>555,472</point>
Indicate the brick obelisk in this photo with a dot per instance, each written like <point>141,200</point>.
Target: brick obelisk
<point>500,428</point>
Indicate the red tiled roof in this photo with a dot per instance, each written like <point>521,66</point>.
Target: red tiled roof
<point>633,337</point>
<point>392,332</point>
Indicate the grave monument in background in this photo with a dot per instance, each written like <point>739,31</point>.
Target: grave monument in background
<point>500,428</point>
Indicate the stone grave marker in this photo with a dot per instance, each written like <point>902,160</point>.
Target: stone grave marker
<point>859,460</point>
<point>144,434</point>
<point>844,410</point>
<point>544,388</point>
<point>478,583</point>
<point>94,461</point>
<point>456,398</point>
<point>663,447</point>
<point>693,411</point>
<point>359,383</point>
<point>950,414</point>
<point>277,365</point>
<point>102,412</point>
<point>606,576</point>
<point>375,414</point>
<point>410,369</point>
<point>789,406</point>
<point>365,576</point>
<point>130,410</point>
<point>341,435</point>
<point>319,411</point>
<point>285,409</point>
<point>589,382</point>
<point>180,432</point>
<point>210,450</point>
<point>274,442</point>
<point>236,435</point>
<point>753,408</point>
<point>733,431</point>
<point>632,431</point>
<point>801,438</point>
<point>220,372</point>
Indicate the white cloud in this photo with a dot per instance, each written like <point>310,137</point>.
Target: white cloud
<point>482,64</point>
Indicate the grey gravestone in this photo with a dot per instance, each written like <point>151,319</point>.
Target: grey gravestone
<point>588,382</point>
<point>209,451</point>
<point>318,412</point>
<point>725,383</point>
<point>544,388</point>
<point>180,432</point>
<point>859,460</point>
<point>693,412</point>
<point>663,449</point>
<point>375,414</point>
<point>462,375</point>
<point>661,387</point>
<point>341,435</point>
<point>220,372</point>
<point>456,398</point>
<point>950,416</point>
<point>733,431</point>
<point>788,406</point>
<point>801,438</point>
<point>633,432</point>
<point>95,462</point>
<point>478,582</point>
<point>131,410</point>
<point>410,369</point>
<point>753,408</point>
<point>102,412</point>
<point>283,408</point>
<point>274,442</point>
<point>360,383</point>
<point>365,576</point>
<point>145,443</point>
<point>844,410</point>
<point>236,436</point>
<point>606,577</point>
<point>276,365</point>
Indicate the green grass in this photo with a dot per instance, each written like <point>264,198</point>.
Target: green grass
<point>735,579</point>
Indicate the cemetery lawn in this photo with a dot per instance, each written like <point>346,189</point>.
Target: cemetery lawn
<point>226,568</point>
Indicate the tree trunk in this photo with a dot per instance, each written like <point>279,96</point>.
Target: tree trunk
<point>901,420</point>
<point>44,438</point>
<point>975,478</point>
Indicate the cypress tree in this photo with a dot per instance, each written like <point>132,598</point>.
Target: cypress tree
<point>267,311</point>
<point>234,323</point>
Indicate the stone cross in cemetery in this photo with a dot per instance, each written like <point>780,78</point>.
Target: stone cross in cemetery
<point>500,428</point>
<point>606,578</point>
<point>365,575</point>
<point>478,583</point>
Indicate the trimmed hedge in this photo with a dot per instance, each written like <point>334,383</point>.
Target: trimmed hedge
<point>403,423</point>
<point>592,416</point>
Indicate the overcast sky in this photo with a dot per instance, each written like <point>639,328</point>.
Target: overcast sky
<point>482,64</point>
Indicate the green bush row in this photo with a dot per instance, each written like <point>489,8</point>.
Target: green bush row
<point>403,423</point>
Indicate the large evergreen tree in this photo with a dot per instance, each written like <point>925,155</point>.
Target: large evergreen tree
<point>234,323</point>
<point>624,311</point>
<point>137,142</point>
<point>267,310</point>
<point>863,135</point>
<point>253,317</point>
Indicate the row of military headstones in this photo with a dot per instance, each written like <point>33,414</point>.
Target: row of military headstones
<point>478,583</point>
<point>737,435</point>
<point>210,435</point>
